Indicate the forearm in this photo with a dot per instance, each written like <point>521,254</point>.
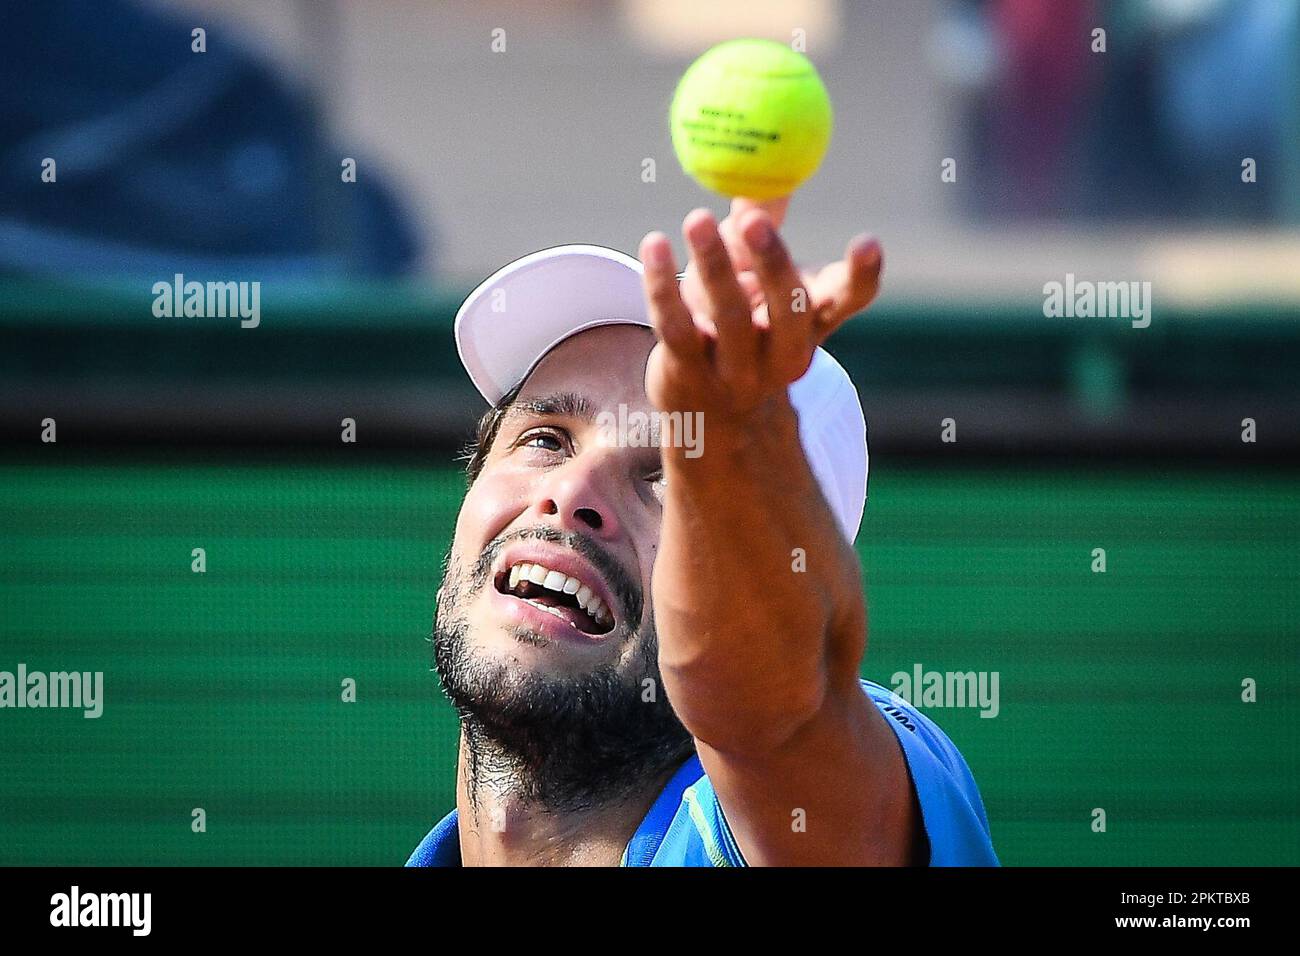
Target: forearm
<point>758,600</point>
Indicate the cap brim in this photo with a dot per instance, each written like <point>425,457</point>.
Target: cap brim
<point>525,309</point>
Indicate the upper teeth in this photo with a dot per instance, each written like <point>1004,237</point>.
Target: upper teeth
<point>561,583</point>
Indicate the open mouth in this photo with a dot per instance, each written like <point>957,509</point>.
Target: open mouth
<point>559,594</point>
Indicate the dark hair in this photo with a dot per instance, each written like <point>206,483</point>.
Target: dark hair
<point>476,451</point>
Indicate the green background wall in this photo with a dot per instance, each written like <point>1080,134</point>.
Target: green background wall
<point>1118,690</point>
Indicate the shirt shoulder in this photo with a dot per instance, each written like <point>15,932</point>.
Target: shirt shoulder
<point>441,847</point>
<point>951,808</point>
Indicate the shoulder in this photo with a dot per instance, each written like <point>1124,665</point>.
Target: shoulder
<point>694,831</point>
<point>441,847</point>
<point>951,808</point>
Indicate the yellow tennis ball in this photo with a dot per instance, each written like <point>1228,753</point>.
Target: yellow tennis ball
<point>751,118</point>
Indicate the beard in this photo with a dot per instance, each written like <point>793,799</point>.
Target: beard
<point>558,741</point>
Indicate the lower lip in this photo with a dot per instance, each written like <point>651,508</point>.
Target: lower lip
<point>520,612</point>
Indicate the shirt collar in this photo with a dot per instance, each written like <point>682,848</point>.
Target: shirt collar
<point>442,846</point>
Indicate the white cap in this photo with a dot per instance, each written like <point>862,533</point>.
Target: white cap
<point>526,308</point>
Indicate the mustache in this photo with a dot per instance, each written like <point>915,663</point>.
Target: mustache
<point>624,586</point>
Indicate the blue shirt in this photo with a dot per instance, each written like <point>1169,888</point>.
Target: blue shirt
<point>686,826</point>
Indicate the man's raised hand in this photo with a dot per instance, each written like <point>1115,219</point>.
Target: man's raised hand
<point>753,319</point>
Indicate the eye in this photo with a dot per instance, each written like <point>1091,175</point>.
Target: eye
<point>553,440</point>
<point>543,440</point>
<point>658,482</point>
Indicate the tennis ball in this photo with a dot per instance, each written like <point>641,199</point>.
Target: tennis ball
<point>750,118</point>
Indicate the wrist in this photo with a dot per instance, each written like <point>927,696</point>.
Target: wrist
<point>730,441</point>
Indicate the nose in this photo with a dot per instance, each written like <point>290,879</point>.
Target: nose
<point>578,496</point>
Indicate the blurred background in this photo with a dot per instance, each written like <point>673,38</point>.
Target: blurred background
<point>367,163</point>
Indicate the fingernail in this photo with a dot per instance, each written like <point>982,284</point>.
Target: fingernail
<point>700,229</point>
<point>867,246</point>
<point>657,253</point>
<point>864,241</point>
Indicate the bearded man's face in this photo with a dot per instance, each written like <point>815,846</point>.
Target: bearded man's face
<point>544,637</point>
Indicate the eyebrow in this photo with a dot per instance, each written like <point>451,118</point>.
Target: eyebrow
<point>559,404</point>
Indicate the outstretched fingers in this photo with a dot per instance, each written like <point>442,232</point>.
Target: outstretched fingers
<point>846,287</point>
<point>725,303</point>
<point>790,311</point>
<point>669,315</point>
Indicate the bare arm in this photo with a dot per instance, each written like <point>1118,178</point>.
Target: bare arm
<point>761,659</point>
